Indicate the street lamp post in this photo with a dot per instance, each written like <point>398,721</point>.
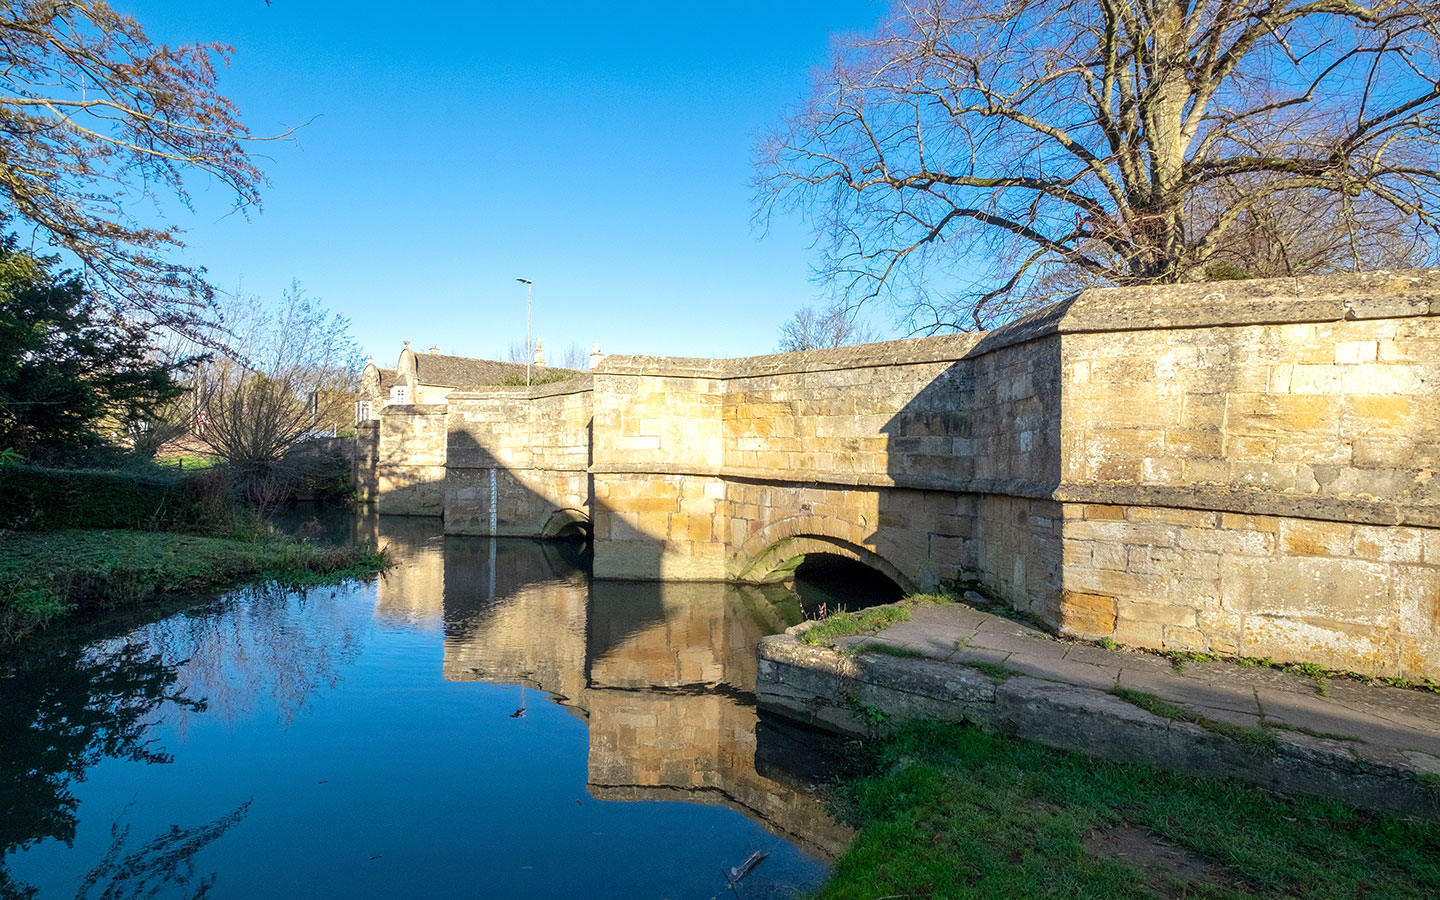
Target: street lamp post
<point>528,352</point>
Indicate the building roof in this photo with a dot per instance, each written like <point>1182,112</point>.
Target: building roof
<point>387,378</point>
<point>463,373</point>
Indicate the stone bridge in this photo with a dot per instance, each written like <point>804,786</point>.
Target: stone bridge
<point>1245,468</point>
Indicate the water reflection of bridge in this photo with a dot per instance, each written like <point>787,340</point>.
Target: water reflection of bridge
<point>661,672</point>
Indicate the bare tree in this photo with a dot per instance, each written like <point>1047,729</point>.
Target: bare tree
<point>976,157</point>
<point>577,358</point>
<point>516,352</point>
<point>94,117</point>
<point>291,368</point>
<point>835,326</point>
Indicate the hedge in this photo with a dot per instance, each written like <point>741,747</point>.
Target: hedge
<point>34,498</point>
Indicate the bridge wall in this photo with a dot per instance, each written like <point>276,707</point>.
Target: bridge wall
<point>525,454</point>
<point>409,460</point>
<point>1259,477</point>
<point>1243,468</point>
<point>888,453</point>
<point>1248,467</point>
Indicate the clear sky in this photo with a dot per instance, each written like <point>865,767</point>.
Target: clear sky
<point>603,150</point>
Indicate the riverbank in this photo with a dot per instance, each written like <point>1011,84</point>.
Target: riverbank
<point>949,811</point>
<point>50,577</point>
<point>1371,745</point>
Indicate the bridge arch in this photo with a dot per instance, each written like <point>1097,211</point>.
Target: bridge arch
<point>568,522</point>
<point>778,547</point>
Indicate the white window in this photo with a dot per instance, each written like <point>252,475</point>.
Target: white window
<point>362,411</point>
<point>400,394</point>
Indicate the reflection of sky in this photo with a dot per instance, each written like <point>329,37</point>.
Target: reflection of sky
<point>372,775</point>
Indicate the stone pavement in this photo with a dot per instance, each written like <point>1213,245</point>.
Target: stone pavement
<point>1386,721</point>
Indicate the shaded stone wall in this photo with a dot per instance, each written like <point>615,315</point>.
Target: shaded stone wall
<point>535,445</point>
<point>410,460</point>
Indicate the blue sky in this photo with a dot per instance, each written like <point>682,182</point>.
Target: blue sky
<point>603,150</point>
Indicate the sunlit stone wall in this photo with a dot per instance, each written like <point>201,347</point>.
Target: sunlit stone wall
<point>1242,468</point>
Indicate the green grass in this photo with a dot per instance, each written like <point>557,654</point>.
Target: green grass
<point>867,621</point>
<point>947,811</point>
<point>48,576</point>
<point>844,624</point>
<point>1255,736</point>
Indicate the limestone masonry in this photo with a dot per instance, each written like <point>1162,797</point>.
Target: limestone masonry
<point>1243,467</point>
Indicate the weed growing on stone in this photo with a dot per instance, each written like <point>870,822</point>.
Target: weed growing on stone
<point>874,718</point>
<point>885,650</point>
<point>1257,737</point>
<point>949,811</point>
<point>994,671</point>
<point>1108,643</point>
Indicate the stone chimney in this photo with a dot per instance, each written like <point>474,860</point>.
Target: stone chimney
<point>433,349</point>
<point>539,353</point>
<point>595,355</point>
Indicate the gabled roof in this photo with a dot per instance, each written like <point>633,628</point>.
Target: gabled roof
<point>465,374</point>
<point>387,378</point>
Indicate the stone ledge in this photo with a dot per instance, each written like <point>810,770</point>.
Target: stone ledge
<point>825,688</point>
<point>1206,499</point>
<point>1253,503</point>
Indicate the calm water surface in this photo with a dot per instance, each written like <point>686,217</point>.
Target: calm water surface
<point>484,721</point>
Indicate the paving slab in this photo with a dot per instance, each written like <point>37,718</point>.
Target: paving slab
<point>981,655</point>
<point>1058,669</point>
<point>951,614</point>
<point>1178,689</point>
<point>1020,643</point>
<point>1232,674</point>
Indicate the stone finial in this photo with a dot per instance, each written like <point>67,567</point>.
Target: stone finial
<point>407,343</point>
<point>595,354</point>
<point>539,352</point>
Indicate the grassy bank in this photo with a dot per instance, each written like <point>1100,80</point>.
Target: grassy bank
<point>50,576</point>
<point>951,812</point>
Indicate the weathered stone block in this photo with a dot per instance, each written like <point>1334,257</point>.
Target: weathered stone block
<point>1156,613</point>
<point>1304,537</point>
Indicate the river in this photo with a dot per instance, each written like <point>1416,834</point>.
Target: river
<point>482,721</point>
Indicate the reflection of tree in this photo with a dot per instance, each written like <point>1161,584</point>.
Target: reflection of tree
<point>261,641</point>
<point>62,714</point>
<point>164,864</point>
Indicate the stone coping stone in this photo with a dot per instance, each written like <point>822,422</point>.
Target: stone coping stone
<point>1387,294</point>
<point>864,694</point>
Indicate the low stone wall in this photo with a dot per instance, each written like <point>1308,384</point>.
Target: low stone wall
<point>833,691</point>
